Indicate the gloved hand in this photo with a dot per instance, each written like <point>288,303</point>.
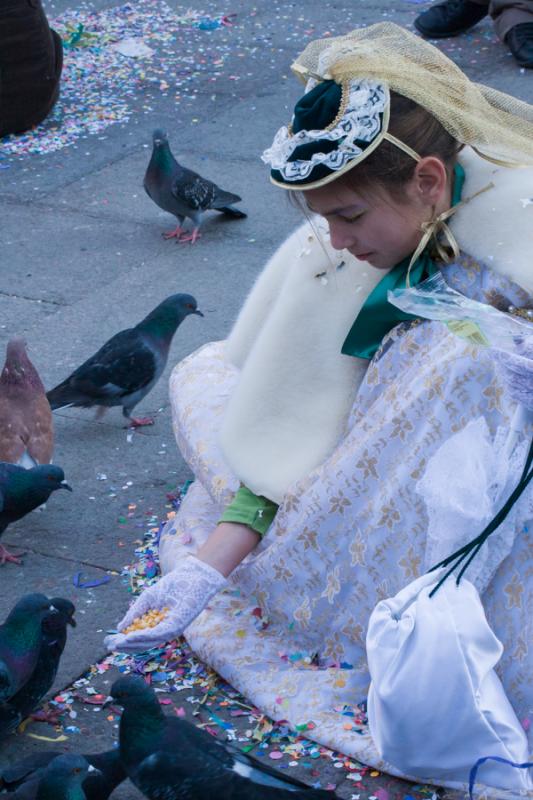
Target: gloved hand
<point>185,591</point>
<point>516,370</point>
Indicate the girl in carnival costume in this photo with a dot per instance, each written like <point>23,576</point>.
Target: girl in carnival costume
<point>315,429</point>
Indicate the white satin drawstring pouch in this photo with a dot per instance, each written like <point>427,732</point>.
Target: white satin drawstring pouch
<point>435,704</point>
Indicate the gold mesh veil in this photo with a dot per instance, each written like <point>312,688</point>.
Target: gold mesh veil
<point>497,125</point>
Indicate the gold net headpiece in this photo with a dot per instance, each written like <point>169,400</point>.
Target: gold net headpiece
<point>497,125</point>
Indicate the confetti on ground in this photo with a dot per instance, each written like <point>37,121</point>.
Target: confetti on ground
<point>115,61</point>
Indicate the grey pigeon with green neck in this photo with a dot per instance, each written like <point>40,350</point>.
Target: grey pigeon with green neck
<point>20,642</point>
<point>23,490</point>
<point>61,780</point>
<point>169,758</point>
<point>99,784</point>
<point>182,192</point>
<point>127,367</point>
<point>53,640</point>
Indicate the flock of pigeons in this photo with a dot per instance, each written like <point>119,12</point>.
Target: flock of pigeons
<point>165,757</point>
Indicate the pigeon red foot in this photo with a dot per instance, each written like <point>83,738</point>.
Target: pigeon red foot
<point>128,365</point>
<point>140,422</point>
<point>11,558</point>
<point>189,237</point>
<point>177,233</point>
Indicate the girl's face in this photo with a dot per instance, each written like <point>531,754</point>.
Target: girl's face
<point>376,228</point>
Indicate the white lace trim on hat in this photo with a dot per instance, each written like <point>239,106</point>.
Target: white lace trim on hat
<point>360,122</point>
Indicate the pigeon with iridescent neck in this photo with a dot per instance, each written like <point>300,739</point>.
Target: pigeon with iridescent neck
<point>24,776</point>
<point>23,490</point>
<point>127,367</point>
<point>184,193</point>
<point>62,779</point>
<point>26,428</point>
<point>53,640</point>
<point>20,642</point>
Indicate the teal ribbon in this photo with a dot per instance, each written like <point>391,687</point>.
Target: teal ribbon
<point>377,316</point>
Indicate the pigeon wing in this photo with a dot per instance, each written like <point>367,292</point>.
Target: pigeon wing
<point>13,776</point>
<point>123,365</point>
<point>195,192</point>
<point>225,765</point>
<point>12,431</point>
<point>40,443</point>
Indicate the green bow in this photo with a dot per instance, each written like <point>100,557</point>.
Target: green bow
<point>377,316</point>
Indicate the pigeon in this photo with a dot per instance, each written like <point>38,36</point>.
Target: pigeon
<point>170,758</point>
<point>62,779</point>
<point>22,490</point>
<point>20,642</point>
<point>26,428</point>
<point>124,370</point>
<point>182,192</point>
<point>53,640</point>
<point>25,775</point>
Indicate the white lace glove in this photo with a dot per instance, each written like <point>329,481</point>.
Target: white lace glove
<point>185,591</point>
<point>517,372</point>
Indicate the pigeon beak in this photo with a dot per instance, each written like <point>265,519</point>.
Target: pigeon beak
<point>64,485</point>
<point>71,621</point>
<point>109,699</point>
<point>92,769</point>
<point>198,312</point>
<point>53,609</point>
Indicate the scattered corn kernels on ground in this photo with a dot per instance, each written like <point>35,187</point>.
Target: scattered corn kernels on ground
<point>148,620</point>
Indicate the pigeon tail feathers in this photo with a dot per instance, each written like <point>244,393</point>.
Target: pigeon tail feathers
<point>234,213</point>
<point>63,395</point>
<point>223,198</point>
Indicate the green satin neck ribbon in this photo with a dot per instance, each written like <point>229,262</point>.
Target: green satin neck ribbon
<point>377,316</point>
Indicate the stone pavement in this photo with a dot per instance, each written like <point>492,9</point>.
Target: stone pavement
<point>82,257</point>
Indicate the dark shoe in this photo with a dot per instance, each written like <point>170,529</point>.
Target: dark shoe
<point>450,18</point>
<point>519,40</point>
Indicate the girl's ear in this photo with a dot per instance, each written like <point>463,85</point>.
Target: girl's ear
<point>430,180</point>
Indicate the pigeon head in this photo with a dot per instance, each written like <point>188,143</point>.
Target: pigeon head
<point>32,609</point>
<point>163,320</point>
<point>65,615</point>
<point>34,603</point>
<point>47,478</point>
<point>180,304</point>
<point>18,369</point>
<point>159,137</point>
<point>131,691</point>
<point>70,764</point>
<point>64,772</point>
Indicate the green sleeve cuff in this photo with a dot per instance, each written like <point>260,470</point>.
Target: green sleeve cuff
<point>247,508</point>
